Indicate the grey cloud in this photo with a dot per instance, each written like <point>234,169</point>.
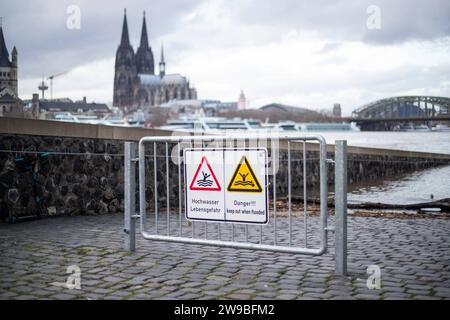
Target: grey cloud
<point>38,29</point>
<point>45,45</point>
<point>391,82</point>
<point>411,20</point>
<point>329,47</point>
<point>345,20</point>
<point>407,77</point>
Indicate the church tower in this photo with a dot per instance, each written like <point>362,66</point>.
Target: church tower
<point>125,70</point>
<point>8,68</point>
<point>162,64</point>
<point>136,85</point>
<point>10,104</point>
<point>144,54</point>
<point>242,101</point>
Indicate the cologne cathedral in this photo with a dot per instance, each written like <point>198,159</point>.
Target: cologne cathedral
<point>136,85</point>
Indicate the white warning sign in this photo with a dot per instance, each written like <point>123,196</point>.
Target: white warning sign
<point>246,181</point>
<point>204,180</point>
<point>226,185</point>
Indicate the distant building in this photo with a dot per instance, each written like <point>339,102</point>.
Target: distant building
<point>135,83</point>
<point>337,110</point>
<point>48,108</point>
<point>10,104</point>
<point>219,106</point>
<point>198,107</point>
<point>275,112</point>
<point>283,108</point>
<point>242,101</point>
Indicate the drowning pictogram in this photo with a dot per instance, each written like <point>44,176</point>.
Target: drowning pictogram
<point>244,179</point>
<point>207,181</point>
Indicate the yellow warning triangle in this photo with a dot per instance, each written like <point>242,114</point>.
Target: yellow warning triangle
<point>244,179</point>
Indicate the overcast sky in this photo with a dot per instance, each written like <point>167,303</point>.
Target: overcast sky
<point>303,53</point>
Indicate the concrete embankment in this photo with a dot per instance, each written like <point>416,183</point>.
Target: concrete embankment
<point>82,172</point>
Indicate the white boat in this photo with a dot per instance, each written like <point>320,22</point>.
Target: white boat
<point>441,128</point>
<point>65,117</point>
<point>122,121</point>
<point>219,125</point>
<point>290,126</point>
<point>411,128</point>
<point>421,127</point>
<point>212,124</point>
<point>285,126</point>
<point>327,126</point>
<point>89,119</point>
<point>183,125</point>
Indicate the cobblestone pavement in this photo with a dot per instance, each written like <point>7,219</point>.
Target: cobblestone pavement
<point>414,257</point>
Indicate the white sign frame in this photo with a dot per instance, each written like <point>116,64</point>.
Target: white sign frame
<point>193,159</point>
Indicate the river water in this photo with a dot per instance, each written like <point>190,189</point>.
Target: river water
<point>416,187</point>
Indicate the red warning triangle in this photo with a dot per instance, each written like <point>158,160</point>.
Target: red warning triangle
<point>207,181</point>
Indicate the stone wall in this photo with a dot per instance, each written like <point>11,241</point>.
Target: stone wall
<point>85,175</point>
<point>79,175</point>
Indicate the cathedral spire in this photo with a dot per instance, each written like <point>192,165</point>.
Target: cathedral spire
<point>144,37</point>
<point>162,63</point>
<point>125,70</point>
<point>125,41</point>
<point>4,54</point>
<point>162,53</point>
<point>144,54</point>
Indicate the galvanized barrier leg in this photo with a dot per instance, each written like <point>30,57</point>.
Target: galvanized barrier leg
<point>340,200</point>
<point>130,196</point>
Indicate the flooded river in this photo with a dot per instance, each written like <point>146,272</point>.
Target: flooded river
<point>419,186</point>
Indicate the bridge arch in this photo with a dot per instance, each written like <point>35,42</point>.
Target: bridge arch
<point>403,107</point>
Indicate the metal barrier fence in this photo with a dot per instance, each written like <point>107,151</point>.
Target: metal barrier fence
<point>162,202</point>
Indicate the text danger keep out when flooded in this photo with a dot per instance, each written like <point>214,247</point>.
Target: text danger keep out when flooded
<point>243,204</point>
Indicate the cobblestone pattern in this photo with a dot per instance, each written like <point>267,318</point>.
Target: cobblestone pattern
<point>414,257</point>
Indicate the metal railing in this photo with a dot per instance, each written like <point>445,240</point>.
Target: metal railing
<point>161,159</point>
